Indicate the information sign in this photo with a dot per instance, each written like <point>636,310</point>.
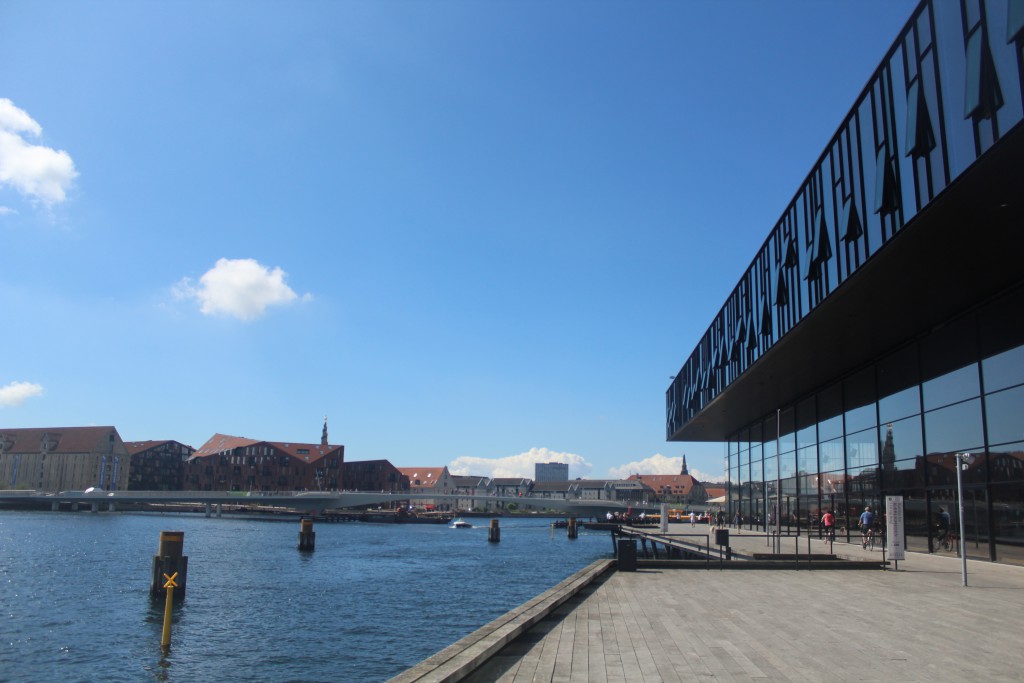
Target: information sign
<point>894,527</point>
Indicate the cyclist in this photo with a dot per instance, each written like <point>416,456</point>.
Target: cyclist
<point>867,518</point>
<point>828,520</point>
<point>944,526</point>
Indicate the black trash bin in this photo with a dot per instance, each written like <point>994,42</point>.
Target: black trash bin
<point>721,536</point>
<point>627,555</point>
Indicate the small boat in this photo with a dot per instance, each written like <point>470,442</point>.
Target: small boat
<point>460,523</point>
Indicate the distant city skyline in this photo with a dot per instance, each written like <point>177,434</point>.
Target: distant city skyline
<point>462,231</point>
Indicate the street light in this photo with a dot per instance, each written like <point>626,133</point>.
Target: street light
<point>963,460</point>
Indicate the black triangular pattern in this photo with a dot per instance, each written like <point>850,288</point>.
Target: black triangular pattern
<point>983,96</point>
<point>850,226</point>
<point>822,243</point>
<point>723,355</point>
<point>766,318</point>
<point>813,269</point>
<point>741,330</point>
<point>789,259</point>
<point>920,137</point>
<point>1015,21</point>
<point>737,351</point>
<point>887,200</point>
<point>751,337</point>
<point>781,290</point>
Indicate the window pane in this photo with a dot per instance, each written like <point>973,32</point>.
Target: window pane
<point>831,455</point>
<point>952,387</point>
<point>862,450</point>
<point>902,404</point>
<point>956,428</point>
<point>831,428</point>
<point>1004,370</point>
<point>904,474</point>
<point>787,443</point>
<point>1005,414</point>
<point>808,436</point>
<point>902,440</point>
<point>860,418</point>
<point>1007,464</point>
<point>787,465</point>
<point>807,460</point>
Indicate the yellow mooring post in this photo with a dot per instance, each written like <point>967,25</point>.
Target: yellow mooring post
<point>165,640</point>
<point>494,532</point>
<point>571,528</point>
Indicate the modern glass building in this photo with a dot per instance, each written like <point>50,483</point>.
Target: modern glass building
<point>879,329</point>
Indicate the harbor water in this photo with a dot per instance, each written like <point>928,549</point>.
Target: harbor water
<point>369,602</point>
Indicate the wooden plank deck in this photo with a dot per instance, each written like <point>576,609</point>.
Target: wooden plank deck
<point>917,624</point>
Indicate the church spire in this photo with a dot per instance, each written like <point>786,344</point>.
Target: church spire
<point>685,471</point>
<point>323,435</point>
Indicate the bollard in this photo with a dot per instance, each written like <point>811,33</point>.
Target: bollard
<point>307,537</point>
<point>626,555</point>
<point>571,527</point>
<point>494,533</point>
<point>169,560</point>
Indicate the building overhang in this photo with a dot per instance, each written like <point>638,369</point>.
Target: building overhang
<point>965,247</point>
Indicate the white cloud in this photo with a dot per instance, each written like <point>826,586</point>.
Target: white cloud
<point>659,464</point>
<point>16,393</point>
<point>35,171</point>
<point>4,210</point>
<point>656,464</point>
<point>518,465</point>
<point>242,288</point>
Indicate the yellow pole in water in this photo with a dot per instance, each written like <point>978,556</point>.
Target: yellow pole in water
<point>165,640</point>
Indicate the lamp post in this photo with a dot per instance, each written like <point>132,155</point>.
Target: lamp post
<point>962,461</point>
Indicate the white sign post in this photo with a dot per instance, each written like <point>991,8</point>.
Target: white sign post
<point>894,528</point>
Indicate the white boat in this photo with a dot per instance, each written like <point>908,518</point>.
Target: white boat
<point>459,523</point>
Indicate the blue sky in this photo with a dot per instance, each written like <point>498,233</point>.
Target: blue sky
<point>475,234</point>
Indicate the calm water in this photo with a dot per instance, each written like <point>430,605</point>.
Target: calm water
<point>372,600</point>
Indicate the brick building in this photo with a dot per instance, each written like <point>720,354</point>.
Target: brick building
<point>374,475</point>
<point>234,463</point>
<point>157,465</point>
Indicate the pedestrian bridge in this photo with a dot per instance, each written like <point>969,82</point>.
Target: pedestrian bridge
<point>313,501</point>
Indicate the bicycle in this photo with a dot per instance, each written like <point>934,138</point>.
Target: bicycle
<point>946,541</point>
<point>871,539</point>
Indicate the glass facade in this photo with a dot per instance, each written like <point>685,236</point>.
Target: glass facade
<point>878,330</point>
<point>884,438</point>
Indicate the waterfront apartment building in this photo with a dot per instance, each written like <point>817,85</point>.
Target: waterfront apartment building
<point>427,480</point>
<point>511,486</point>
<point>63,459</point>
<point>878,330</point>
<point>157,465</point>
<point>234,463</point>
<point>551,471</point>
<point>374,475</point>
<point>474,493</point>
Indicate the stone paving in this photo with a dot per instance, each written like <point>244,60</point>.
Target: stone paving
<point>915,624</point>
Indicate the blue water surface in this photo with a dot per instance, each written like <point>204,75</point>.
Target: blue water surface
<point>371,601</point>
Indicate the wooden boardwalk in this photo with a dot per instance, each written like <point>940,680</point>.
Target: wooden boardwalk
<point>915,624</point>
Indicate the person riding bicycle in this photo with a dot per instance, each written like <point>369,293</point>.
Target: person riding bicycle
<point>828,520</point>
<point>867,518</point>
<point>943,526</point>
